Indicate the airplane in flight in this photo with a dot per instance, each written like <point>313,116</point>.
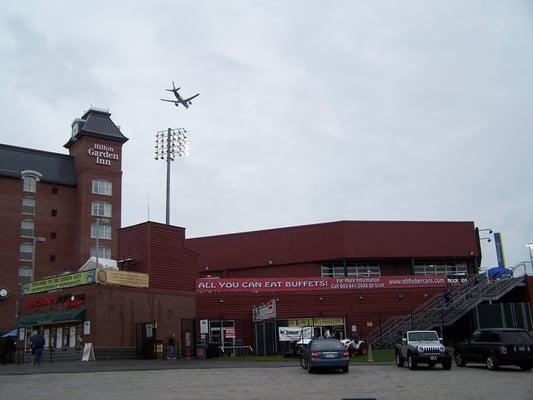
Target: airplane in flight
<point>179,100</point>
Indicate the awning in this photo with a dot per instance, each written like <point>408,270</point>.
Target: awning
<point>53,317</point>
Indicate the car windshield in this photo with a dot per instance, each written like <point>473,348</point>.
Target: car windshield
<point>516,337</point>
<point>423,336</point>
<point>327,345</point>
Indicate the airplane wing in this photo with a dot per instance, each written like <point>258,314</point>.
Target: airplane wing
<point>170,101</point>
<point>190,98</point>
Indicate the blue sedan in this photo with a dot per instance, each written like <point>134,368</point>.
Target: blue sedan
<point>325,353</point>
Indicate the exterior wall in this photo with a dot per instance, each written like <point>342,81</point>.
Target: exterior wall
<point>87,170</point>
<point>354,240</point>
<point>160,251</point>
<point>113,312</point>
<point>44,225</point>
<point>358,307</point>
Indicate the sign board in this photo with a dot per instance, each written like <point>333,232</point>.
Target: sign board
<point>86,327</point>
<point>59,282</point>
<point>369,323</point>
<point>229,333</point>
<point>149,330</point>
<point>294,334</point>
<point>354,328</point>
<point>264,311</point>
<point>88,353</point>
<point>204,326</point>
<point>122,278</point>
<point>217,285</point>
<point>316,322</point>
<point>22,333</point>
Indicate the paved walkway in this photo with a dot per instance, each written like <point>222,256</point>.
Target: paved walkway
<point>143,365</point>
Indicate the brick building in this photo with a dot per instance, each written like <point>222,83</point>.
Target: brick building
<point>50,204</point>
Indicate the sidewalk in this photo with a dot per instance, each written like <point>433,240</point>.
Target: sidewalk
<point>144,365</point>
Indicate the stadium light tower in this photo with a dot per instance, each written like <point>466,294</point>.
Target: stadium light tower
<point>170,144</point>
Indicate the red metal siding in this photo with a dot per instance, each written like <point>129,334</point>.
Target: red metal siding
<point>358,307</point>
<point>159,250</point>
<point>358,240</point>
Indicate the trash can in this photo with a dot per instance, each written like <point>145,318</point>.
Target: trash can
<point>201,350</point>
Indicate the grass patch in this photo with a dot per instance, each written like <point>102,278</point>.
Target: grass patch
<point>381,355</point>
<point>255,358</point>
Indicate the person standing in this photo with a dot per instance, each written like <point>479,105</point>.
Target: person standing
<point>37,345</point>
<point>171,352</point>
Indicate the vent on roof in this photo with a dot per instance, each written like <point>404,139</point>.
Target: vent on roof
<point>77,124</point>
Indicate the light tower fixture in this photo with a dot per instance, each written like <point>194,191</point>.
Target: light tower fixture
<point>169,144</point>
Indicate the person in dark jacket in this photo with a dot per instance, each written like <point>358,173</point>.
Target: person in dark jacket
<point>37,345</point>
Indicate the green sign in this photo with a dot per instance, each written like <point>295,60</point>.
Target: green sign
<point>59,282</point>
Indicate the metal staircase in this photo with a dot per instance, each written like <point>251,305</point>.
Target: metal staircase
<point>435,312</point>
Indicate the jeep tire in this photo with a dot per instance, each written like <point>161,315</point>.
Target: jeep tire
<point>411,363</point>
<point>399,360</point>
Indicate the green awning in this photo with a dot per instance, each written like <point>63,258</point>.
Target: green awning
<point>53,317</point>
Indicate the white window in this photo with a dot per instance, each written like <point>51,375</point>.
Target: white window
<point>26,228</point>
<point>28,205</point>
<point>102,187</point>
<point>332,271</point>
<point>440,268</point>
<point>26,252</point>
<point>101,209</point>
<point>103,252</point>
<point>30,184</point>
<point>351,269</point>
<point>104,231</point>
<point>364,270</point>
<point>24,275</point>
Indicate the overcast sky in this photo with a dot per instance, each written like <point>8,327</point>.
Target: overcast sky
<point>309,111</point>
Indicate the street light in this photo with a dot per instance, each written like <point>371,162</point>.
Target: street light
<point>99,222</point>
<point>170,144</point>
<point>34,255</point>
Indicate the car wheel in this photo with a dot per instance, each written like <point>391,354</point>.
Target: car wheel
<point>411,363</point>
<point>345,369</point>
<point>526,367</point>
<point>459,360</point>
<point>447,365</point>
<point>310,370</point>
<point>491,362</point>
<point>399,360</point>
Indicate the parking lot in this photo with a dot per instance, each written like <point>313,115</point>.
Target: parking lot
<point>287,381</point>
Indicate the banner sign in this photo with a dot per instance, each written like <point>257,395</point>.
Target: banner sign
<point>206,285</point>
<point>122,278</point>
<point>264,311</point>
<point>59,282</point>
<point>293,334</point>
<point>321,321</point>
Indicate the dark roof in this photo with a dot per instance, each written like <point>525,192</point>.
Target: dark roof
<point>55,168</point>
<point>97,123</point>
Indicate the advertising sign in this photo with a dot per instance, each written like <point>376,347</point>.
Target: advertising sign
<point>229,333</point>
<point>204,328</point>
<point>59,282</point>
<point>294,334</point>
<point>206,285</point>
<point>264,311</point>
<point>122,278</point>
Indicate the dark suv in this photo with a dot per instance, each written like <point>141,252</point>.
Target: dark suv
<point>495,347</point>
